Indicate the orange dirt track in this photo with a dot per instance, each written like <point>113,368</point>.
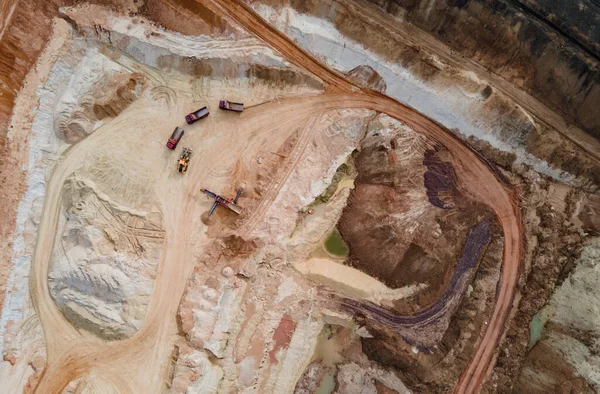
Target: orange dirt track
<point>139,362</point>
<point>475,175</point>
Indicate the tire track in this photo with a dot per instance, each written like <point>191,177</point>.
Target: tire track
<point>299,149</point>
<point>478,178</point>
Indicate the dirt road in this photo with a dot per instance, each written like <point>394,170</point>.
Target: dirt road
<point>475,175</point>
<point>140,361</point>
<point>138,364</point>
<point>417,37</point>
<point>477,240</point>
<point>71,354</point>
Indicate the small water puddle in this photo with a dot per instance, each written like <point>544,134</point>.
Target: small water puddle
<point>536,326</point>
<point>327,384</point>
<point>335,244</point>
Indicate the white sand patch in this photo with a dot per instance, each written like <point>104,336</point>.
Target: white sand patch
<point>44,149</point>
<point>157,41</point>
<point>450,106</point>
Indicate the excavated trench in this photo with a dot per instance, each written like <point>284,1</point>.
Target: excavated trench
<point>427,213</point>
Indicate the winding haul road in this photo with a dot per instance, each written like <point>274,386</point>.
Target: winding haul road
<point>476,176</point>
<point>139,362</point>
<point>477,239</point>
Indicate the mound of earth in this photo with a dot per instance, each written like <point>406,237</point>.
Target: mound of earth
<point>364,256</point>
<point>102,270</point>
<point>406,221</point>
<point>366,77</point>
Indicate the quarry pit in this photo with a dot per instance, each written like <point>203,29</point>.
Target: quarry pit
<point>415,215</point>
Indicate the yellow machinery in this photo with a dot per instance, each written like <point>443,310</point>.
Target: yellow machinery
<point>184,159</point>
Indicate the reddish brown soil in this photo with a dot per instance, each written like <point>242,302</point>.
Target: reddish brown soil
<point>23,40</point>
<point>366,77</point>
<point>282,336</point>
<point>21,43</point>
<point>379,243</point>
<point>381,389</point>
<point>179,15</point>
<point>437,371</point>
<point>557,249</point>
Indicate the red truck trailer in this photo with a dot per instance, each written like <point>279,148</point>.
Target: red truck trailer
<point>229,106</point>
<point>175,137</point>
<point>197,115</point>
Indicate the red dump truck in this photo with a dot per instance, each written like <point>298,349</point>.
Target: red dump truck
<point>229,106</point>
<point>197,115</point>
<point>175,137</point>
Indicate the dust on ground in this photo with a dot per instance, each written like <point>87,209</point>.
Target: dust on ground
<point>254,314</point>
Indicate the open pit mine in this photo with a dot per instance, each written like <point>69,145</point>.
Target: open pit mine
<point>299,196</point>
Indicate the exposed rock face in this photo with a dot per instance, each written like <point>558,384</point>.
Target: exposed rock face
<point>101,273</point>
<point>96,99</point>
<point>393,224</point>
<point>550,49</point>
<point>248,321</point>
<point>588,212</point>
<point>21,41</point>
<point>199,311</point>
<point>455,91</point>
<point>546,371</point>
<point>574,325</point>
<point>566,357</point>
<point>366,77</point>
<point>351,378</point>
<point>311,379</point>
<point>193,372</point>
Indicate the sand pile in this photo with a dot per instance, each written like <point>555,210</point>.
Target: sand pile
<point>101,274</point>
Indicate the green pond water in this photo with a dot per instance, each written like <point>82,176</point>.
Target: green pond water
<point>536,327</point>
<point>327,385</point>
<point>335,244</point>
